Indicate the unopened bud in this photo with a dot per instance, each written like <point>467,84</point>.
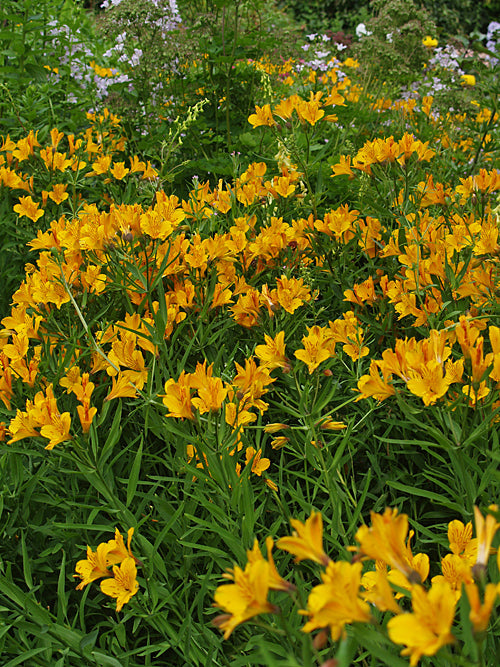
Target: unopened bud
<point>321,640</point>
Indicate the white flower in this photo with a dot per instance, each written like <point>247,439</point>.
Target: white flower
<point>361,30</point>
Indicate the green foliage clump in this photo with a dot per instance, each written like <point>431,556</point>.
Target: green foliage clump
<point>463,16</point>
<point>392,48</point>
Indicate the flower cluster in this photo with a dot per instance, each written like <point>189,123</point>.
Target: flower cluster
<point>348,595</point>
<point>119,582</point>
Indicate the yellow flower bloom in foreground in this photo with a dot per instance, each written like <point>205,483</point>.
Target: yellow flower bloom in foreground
<point>306,541</point>
<point>276,582</point>
<point>336,601</point>
<point>58,430</point>
<point>378,591</point>
<point>480,613</point>
<point>427,628</point>
<point>211,395</point>
<point>244,599</point>
<point>419,567</point>
<point>375,385</point>
<point>485,531</point>
<point>58,193</point>
<point>429,382</point>
<point>385,541</point>
<point>177,397</point>
<point>124,583</point>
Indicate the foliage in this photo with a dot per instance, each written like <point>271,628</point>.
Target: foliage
<point>392,47</point>
<point>452,17</point>
<point>190,361</point>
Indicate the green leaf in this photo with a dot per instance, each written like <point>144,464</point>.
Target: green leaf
<point>134,475</point>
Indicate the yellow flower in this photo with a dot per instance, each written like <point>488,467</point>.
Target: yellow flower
<point>118,552</point>
<point>262,116</point>
<point>378,590</point>
<point>429,42</point>
<point>279,442</point>
<point>462,543</point>
<point>318,347</point>
<point>374,385</point>
<point>58,193</point>
<point>427,628</point>
<point>276,426</point>
<point>57,430</point>
<point>272,354</point>
<point>177,397</point>
<point>480,613</point>
<point>119,170</point>
<point>337,601</point>
<point>468,80</point>
<point>307,540</point>
<point>276,582</point>
<point>310,111</point>
<point>29,208</point>
<point>291,293</point>
<point>244,599</point>
<point>456,572</point>
<point>124,583</point>
<point>211,395</point>
<point>94,566</point>
<point>485,531</point>
<point>385,541</point>
<point>259,465</point>
<point>429,382</point>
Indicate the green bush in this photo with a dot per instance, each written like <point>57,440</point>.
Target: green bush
<point>392,47</point>
<point>451,16</point>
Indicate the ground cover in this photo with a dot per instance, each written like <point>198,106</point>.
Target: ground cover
<point>251,305</point>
